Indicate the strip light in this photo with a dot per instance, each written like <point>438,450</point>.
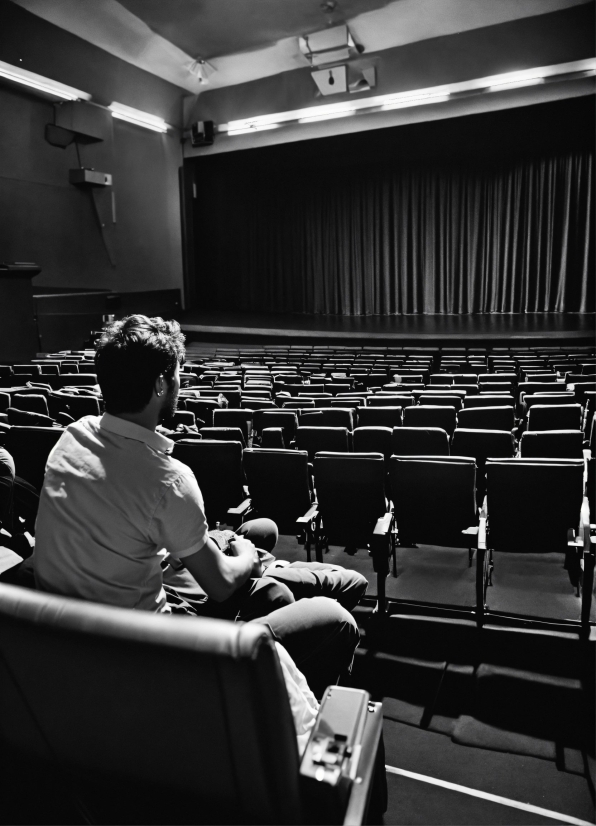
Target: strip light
<point>253,128</point>
<point>40,83</point>
<point>417,100</point>
<point>412,97</point>
<point>139,118</point>
<point>341,113</point>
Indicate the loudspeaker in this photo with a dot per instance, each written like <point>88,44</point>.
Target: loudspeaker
<point>201,133</point>
<point>58,136</point>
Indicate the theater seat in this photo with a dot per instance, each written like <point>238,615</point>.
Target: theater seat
<point>143,718</point>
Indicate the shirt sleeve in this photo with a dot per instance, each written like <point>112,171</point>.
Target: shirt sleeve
<point>178,524</point>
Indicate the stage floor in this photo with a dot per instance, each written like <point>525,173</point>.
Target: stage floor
<point>495,328</point>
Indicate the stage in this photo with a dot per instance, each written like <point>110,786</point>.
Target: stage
<point>494,329</point>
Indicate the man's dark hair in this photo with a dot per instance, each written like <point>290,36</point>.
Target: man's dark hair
<point>131,354</point>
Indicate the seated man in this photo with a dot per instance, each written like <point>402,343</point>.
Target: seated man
<point>116,509</point>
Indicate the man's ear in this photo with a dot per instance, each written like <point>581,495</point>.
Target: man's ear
<point>160,385</point>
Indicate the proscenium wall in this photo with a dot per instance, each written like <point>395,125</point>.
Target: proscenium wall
<point>45,219</point>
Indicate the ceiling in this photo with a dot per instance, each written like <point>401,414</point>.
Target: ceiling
<point>251,39</point>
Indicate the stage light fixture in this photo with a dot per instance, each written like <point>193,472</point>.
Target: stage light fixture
<point>40,83</point>
<point>201,70</point>
<point>139,118</point>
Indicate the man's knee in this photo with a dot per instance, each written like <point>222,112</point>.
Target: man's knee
<point>263,532</point>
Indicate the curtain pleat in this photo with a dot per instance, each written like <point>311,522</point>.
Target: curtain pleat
<point>512,237</point>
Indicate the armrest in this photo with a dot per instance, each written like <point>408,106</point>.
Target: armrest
<point>383,525</point>
<point>304,521</point>
<point>338,765</point>
<point>236,515</point>
<point>482,531</point>
<point>473,531</point>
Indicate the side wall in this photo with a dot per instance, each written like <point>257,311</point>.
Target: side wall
<point>45,219</point>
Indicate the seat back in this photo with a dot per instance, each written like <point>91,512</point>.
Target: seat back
<point>380,416</point>
<point>332,417</point>
<point>314,439</point>
<point>82,686</point>
<point>278,484</point>
<point>224,434</point>
<point>416,441</point>
<point>533,502</point>
<point>446,400</point>
<point>505,400</point>
<point>373,439</point>
<point>203,410</point>
<point>234,417</point>
<point>33,402</point>
<point>555,444</point>
<point>350,493</point>
<point>428,415</point>
<point>434,498</point>
<point>390,400</point>
<point>30,448</point>
<point>486,418</point>
<point>554,417</point>
<point>482,443</point>
<point>218,470</point>
<point>288,419</point>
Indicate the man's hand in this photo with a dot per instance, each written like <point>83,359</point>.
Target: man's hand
<point>241,546</point>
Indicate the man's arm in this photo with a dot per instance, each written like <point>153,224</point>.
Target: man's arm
<point>220,575</point>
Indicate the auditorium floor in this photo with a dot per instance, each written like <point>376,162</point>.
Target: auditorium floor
<point>524,328</point>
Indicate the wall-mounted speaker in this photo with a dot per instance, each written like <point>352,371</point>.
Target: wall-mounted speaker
<point>201,133</point>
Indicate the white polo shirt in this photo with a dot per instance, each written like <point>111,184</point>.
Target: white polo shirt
<point>113,503</point>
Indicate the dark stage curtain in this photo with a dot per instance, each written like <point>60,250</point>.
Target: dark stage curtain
<point>509,237</point>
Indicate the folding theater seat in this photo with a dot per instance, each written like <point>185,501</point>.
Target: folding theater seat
<point>73,662</point>
<point>33,402</point>
<point>218,470</point>
<point>273,437</point>
<point>434,504</point>
<point>373,439</point>
<point>385,416</point>
<point>315,439</point>
<point>555,444</point>
<point>489,401</point>
<point>393,400</point>
<point>486,418</point>
<point>533,506</point>
<point>328,417</point>
<point>438,399</point>
<point>287,419</point>
<point>203,408</point>
<point>224,434</point>
<point>234,417</point>
<point>30,447</point>
<point>431,416</point>
<point>416,441</point>
<point>279,487</point>
<point>255,404</point>
<point>352,509</point>
<point>554,417</point>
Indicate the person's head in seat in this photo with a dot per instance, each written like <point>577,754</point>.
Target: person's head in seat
<point>138,368</point>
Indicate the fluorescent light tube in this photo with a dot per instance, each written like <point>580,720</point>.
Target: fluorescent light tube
<point>260,127</point>
<point>514,84</point>
<point>139,118</point>
<point>404,103</point>
<point>40,83</point>
<point>329,116</point>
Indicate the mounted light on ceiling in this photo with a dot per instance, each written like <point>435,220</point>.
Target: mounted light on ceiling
<point>201,70</point>
<point>38,83</point>
<point>403,102</point>
<point>334,45</point>
<point>139,118</point>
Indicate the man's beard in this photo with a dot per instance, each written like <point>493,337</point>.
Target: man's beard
<point>168,408</point>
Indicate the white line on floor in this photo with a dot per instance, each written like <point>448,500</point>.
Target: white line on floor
<point>494,798</point>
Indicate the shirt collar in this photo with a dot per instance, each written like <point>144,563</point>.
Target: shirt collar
<point>122,427</point>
